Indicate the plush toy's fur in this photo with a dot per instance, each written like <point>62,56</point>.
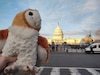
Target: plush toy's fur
<point>24,41</point>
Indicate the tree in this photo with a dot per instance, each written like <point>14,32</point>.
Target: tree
<point>87,40</point>
<point>97,36</point>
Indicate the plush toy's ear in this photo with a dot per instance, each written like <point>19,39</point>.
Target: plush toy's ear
<point>44,43</point>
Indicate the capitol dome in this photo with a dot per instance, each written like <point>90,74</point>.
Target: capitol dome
<point>58,33</point>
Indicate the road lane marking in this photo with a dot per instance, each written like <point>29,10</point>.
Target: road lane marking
<point>68,70</point>
<point>74,71</point>
<point>55,71</point>
<point>92,71</point>
<point>39,73</point>
<point>72,68</point>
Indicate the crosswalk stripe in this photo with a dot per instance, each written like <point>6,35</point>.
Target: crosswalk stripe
<point>74,71</point>
<point>71,67</point>
<point>92,71</point>
<point>41,69</point>
<point>68,71</point>
<point>55,71</point>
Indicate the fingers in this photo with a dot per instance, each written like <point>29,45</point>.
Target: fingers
<point>12,59</point>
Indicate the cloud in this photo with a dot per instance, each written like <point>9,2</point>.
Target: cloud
<point>75,16</point>
<point>97,32</point>
<point>71,33</point>
<point>83,17</point>
<point>91,22</point>
<point>78,32</point>
<point>87,17</point>
<point>90,6</point>
<point>48,29</point>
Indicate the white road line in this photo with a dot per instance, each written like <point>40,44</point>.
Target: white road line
<point>72,68</point>
<point>39,73</point>
<point>92,71</point>
<point>55,71</point>
<point>74,71</point>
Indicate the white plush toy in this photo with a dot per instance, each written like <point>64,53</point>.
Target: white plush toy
<point>23,41</point>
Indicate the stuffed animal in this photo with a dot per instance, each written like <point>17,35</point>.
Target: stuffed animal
<point>22,40</point>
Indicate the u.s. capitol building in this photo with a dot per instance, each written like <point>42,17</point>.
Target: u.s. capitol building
<point>58,38</point>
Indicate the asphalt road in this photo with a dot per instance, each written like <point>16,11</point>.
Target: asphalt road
<point>69,64</point>
<point>74,60</point>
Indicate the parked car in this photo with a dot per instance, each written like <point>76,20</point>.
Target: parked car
<point>93,48</point>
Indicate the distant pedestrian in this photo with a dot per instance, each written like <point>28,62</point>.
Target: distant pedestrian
<point>65,47</point>
<point>57,47</point>
<point>81,46</point>
<point>53,46</point>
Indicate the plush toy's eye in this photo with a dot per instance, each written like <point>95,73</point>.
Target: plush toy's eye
<point>30,13</point>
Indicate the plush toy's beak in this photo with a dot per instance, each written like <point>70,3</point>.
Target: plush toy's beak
<point>38,24</point>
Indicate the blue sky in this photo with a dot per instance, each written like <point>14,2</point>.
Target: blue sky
<point>77,18</point>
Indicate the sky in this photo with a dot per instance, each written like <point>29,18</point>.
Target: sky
<point>77,18</point>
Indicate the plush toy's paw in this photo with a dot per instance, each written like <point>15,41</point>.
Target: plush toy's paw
<point>31,68</point>
<point>10,68</point>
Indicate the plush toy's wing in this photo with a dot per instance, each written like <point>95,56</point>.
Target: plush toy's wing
<point>43,50</point>
<point>3,37</point>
